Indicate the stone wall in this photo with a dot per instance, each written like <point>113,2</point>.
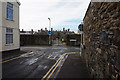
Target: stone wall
<point>102,39</point>
<point>29,40</point>
<point>76,37</point>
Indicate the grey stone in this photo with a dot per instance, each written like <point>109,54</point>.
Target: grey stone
<point>102,33</point>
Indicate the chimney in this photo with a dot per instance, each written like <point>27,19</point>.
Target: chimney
<point>41,30</point>
<point>32,31</point>
<point>22,30</point>
<point>63,29</point>
<point>45,29</point>
<point>38,31</point>
<point>51,29</point>
<point>68,30</point>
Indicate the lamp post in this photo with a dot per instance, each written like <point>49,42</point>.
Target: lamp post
<point>49,30</point>
<point>49,23</point>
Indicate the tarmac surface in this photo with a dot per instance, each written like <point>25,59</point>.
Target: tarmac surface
<point>42,60</point>
<point>73,68</point>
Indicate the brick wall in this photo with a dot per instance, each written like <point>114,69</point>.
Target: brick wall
<point>102,39</point>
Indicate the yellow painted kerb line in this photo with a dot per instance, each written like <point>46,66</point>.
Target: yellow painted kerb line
<point>54,69</point>
<point>13,58</point>
<point>51,68</point>
<point>56,65</point>
<point>10,59</point>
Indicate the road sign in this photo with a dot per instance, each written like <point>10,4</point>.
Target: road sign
<point>49,32</point>
<point>73,40</point>
<point>81,32</point>
<point>80,27</point>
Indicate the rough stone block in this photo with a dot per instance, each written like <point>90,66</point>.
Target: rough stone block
<point>102,38</point>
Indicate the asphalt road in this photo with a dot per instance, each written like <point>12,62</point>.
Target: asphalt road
<point>35,64</point>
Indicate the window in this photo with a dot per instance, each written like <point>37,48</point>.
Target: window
<point>9,11</point>
<point>9,35</point>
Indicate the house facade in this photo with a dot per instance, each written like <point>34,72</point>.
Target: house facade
<point>9,26</point>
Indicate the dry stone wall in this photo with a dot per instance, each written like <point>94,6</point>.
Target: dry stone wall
<point>102,39</point>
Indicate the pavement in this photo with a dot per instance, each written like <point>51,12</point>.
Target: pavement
<point>45,62</point>
<point>73,68</point>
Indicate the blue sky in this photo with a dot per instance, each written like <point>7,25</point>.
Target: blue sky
<point>63,13</point>
<point>72,24</point>
<point>74,21</point>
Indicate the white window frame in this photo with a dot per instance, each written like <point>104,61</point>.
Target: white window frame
<point>11,9</point>
<point>9,36</point>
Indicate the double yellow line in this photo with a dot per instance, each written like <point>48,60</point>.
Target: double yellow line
<point>51,70</point>
<point>10,59</point>
<point>14,58</point>
<point>54,67</point>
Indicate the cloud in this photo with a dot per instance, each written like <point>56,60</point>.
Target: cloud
<point>34,13</point>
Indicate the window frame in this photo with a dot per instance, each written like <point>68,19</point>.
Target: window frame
<point>9,36</point>
<point>9,11</point>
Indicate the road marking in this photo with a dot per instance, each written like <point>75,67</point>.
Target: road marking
<point>60,67</point>
<point>10,59</point>
<point>15,58</point>
<point>49,56</point>
<point>50,69</point>
<point>54,57</point>
<point>53,68</point>
<point>33,61</point>
<point>21,62</point>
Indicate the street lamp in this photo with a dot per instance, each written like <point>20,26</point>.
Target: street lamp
<point>49,30</point>
<point>49,23</point>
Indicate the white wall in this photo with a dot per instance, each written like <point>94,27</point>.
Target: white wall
<point>0,26</point>
<point>16,40</point>
<point>0,14</point>
<point>0,39</point>
<point>10,24</point>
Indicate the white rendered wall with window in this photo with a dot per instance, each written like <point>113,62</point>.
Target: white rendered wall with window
<point>0,14</point>
<point>0,39</point>
<point>0,26</point>
<point>10,26</point>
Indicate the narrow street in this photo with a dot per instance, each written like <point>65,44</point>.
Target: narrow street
<point>35,64</point>
<point>59,39</point>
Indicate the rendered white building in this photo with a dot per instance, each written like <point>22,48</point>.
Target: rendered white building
<point>9,26</point>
